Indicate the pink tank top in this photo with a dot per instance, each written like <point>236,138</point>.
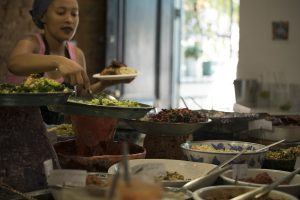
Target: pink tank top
<point>11,78</point>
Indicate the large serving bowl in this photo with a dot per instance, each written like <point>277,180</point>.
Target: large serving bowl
<point>165,128</point>
<point>219,151</point>
<point>153,168</point>
<point>217,192</point>
<point>293,187</point>
<point>108,154</point>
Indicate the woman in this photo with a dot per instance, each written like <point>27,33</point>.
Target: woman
<point>25,147</point>
<point>50,53</point>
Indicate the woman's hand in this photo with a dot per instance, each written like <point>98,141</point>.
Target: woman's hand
<point>73,73</point>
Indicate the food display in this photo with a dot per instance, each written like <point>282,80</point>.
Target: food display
<point>33,84</point>
<point>118,68</point>
<point>178,116</point>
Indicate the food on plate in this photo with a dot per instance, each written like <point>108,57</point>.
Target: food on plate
<point>178,116</point>
<point>118,68</point>
<point>34,84</point>
<point>261,178</point>
<point>170,176</point>
<point>63,130</point>
<point>138,189</point>
<point>105,100</point>
<point>208,148</point>
<point>284,154</point>
<point>226,194</point>
<point>114,102</point>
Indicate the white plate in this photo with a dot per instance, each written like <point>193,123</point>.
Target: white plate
<point>155,167</point>
<point>292,188</point>
<point>114,77</point>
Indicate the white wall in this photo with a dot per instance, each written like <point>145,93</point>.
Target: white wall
<point>260,55</point>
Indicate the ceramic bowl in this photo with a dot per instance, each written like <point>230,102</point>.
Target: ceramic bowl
<point>216,191</point>
<point>154,168</point>
<point>292,188</point>
<point>252,158</point>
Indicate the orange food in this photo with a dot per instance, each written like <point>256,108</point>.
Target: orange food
<point>138,189</point>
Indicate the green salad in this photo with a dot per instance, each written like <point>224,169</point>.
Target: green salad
<point>113,102</point>
<point>105,100</point>
<point>33,84</point>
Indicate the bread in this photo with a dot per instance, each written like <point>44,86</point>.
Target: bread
<point>118,68</point>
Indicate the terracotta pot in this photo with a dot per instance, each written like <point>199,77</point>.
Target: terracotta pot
<point>103,156</point>
<point>91,130</point>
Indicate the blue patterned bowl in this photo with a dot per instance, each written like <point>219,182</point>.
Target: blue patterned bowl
<point>222,150</point>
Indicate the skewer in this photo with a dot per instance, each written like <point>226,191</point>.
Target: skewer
<point>185,104</point>
<point>114,184</point>
<point>125,163</point>
<point>195,102</point>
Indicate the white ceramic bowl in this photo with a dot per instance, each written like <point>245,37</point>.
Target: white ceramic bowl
<point>292,188</point>
<point>217,190</point>
<point>252,158</point>
<point>155,167</point>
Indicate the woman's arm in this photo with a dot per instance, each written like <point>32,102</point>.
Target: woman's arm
<point>24,60</point>
<point>96,87</point>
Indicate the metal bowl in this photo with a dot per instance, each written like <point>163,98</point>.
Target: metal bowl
<point>34,99</point>
<point>165,128</point>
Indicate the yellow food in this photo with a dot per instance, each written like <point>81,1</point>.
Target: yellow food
<point>62,130</point>
<point>118,68</point>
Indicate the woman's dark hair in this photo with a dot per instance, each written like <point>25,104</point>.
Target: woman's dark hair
<point>39,7</point>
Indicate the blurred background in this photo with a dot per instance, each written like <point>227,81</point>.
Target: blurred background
<point>212,53</point>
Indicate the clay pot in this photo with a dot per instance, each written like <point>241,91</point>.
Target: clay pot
<point>99,158</point>
<point>91,130</point>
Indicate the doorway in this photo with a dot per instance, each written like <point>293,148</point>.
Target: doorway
<point>209,53</point>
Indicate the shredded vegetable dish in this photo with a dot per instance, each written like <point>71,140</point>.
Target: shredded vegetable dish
<point>178,116</point>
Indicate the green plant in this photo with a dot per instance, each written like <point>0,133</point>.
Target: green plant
<point>264,94</point>
<point>286,106</point>
<point>193,51</point>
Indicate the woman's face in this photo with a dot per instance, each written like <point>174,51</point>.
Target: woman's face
<point>61,19</point>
